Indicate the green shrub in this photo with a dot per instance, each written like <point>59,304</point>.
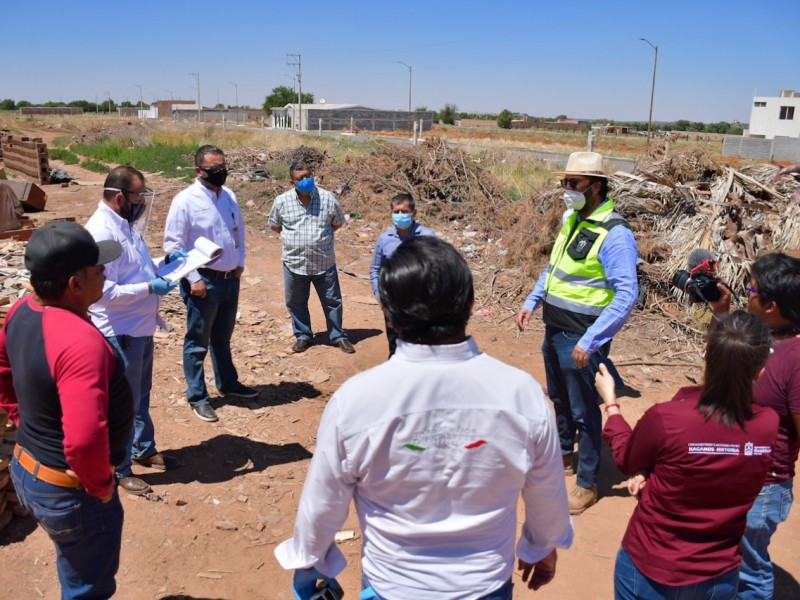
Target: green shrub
<point>93,165</point>
<point>65,156</point>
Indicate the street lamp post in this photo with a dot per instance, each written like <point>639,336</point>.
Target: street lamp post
<point>652,88</point>
<point>139,85</point>
<point>410,127</point>
<point>236,91</point>
<point>197,77</point>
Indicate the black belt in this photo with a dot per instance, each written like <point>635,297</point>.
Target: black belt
<point>213,274</point>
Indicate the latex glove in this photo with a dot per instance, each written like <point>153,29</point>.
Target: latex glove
<point>304,583</point>
<point>175,256</point>
<point>162,287</point>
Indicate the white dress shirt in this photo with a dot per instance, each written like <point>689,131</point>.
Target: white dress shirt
<point>197,211</point>
<point>435,447</point>
<point>127,306</point>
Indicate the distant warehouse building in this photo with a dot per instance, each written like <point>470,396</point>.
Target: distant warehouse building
<point>338,117</point>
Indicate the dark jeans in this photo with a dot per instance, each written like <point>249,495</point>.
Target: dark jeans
<point>575,400</point>
<point>297,289</point>
<point>209,326</point>
<point>631,584</point>
<point>87,533</point>
<point>137,352</point>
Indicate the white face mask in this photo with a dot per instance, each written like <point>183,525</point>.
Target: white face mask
<point>574,199</point>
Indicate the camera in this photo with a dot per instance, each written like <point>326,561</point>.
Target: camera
<point>699,281</point>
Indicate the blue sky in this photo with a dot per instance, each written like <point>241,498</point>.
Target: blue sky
<point>583,59</point>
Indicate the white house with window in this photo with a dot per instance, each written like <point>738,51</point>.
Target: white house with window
<point>772,116</point>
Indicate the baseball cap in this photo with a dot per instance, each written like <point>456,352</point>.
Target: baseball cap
<point>64,247</point>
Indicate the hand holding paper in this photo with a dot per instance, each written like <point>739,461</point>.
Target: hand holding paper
<point>204,252</point>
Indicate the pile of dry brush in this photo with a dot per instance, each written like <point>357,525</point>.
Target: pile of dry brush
<point>675,204</point>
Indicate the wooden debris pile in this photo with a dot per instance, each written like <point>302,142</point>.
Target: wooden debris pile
<point>674,205</point>
<point>685,202</point>
<point>446,183</point>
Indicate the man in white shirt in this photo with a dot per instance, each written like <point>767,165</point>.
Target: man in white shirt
<point>211,294</point>
<point>435,446</point>
<point>127,314</point>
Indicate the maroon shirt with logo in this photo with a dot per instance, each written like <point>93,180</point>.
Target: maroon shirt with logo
<point>704,477</point>
<point>779,388</point>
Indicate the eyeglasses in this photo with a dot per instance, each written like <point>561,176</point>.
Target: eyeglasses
<point>753,290</point>
<point>147,194</point>
<point>571,182</point>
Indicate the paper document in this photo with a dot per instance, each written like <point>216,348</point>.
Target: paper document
<point>204,252</point>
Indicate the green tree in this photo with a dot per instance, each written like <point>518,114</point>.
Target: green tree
<point>561,118</point>
<point>52,104</point>
<point>282,95</point>
<point>421,108</point>
<point>7,104</point>
<point>504,119</point>
<point>682,125</point>
<point>23,103</point>
<point>448,114</point>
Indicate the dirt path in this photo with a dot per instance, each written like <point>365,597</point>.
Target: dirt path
<point>236,491</point>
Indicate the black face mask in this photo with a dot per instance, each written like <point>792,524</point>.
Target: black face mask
<point>217,176</point>
<point>132,212</point>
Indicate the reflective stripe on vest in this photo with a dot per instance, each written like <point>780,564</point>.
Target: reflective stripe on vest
<point>580,286</point>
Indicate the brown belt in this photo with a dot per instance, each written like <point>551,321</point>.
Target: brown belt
<point>40,471</point>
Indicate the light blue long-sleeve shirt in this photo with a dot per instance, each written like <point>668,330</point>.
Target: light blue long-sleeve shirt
<point>387,243</point>
<point>618,256</point>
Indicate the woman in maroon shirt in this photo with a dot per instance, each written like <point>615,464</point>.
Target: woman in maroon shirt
<point>706,454</point>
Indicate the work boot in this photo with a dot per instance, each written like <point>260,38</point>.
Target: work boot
<point>134,485</point>
<point>568,468</point>
<point>581,498</point>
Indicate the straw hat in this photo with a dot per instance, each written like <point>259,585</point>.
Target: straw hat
<point>590,164</point>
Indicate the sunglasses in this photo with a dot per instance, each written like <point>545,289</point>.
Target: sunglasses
<point>571,182</point>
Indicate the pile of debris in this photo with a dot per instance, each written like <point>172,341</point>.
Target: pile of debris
<point>676,205</point>
<point>446,183</point>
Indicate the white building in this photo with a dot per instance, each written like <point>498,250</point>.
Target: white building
<point>772,116</point>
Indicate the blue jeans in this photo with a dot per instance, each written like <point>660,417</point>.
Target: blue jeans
<point>502,593</point>
<point>631,584</point>
<point>87,533</point>
<point>137,353</point>
<point>575,400</point>
<point>209,326</point>
<point>756,578</point>
<point>297,289</point>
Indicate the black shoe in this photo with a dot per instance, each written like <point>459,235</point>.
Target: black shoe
<point>239,390</point>
<point>345,345</point>
<point>205,412</point>
<point>301,345</point>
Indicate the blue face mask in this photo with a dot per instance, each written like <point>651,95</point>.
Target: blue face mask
<point>402,220</point>
<point>305,185</point>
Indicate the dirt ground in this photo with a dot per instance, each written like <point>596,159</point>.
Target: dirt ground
<point>211,531</point>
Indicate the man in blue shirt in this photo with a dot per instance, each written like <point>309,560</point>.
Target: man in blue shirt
<point>588,290</point>
<point>404,214</point>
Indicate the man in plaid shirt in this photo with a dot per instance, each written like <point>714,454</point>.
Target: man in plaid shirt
<point>306,217</point>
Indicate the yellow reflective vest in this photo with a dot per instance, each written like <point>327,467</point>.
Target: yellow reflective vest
<point>576,288</point>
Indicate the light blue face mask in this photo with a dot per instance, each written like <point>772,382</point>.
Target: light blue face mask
<point>305,185</point>
<point>402,220</point>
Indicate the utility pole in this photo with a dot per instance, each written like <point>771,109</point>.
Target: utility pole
<point>409,92</point>
<point>197,76</point>
<point>296,60</point>
<point>236,89</point>
<point>652,88</point>
<point>139,85</point>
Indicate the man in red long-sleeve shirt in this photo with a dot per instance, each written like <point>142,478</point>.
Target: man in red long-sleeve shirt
<point>65,388</point>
